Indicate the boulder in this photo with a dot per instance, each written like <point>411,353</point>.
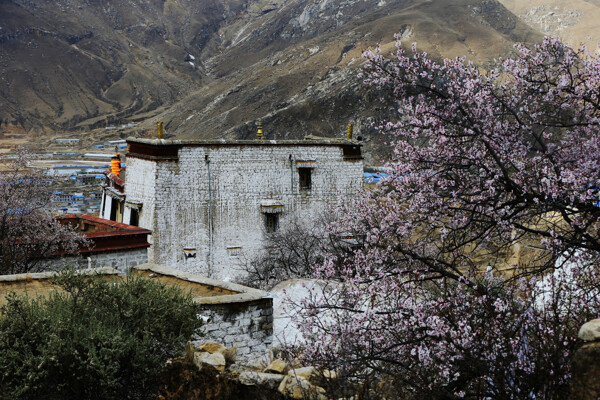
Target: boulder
<point>305,372</point>
<point>300,388</point>
<point>314,376</point>
<point>329,374</point>
<point>277,367</point>
<point>253,378</point>
<point>294,387</point>
<point>590,331</point>
<point>216,360</point>
<point>212,347</point>
<point>585,370</point>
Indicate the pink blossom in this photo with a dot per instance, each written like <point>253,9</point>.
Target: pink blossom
<point>482,162</point>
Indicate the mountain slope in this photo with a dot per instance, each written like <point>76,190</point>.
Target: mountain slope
<point>575,21</point>
<point>69,62</point>
<point>212,68</point>
<point>295,67</point>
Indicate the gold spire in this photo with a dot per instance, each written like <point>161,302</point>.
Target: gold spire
<point>160,130</point>
<point>259,132</point>
<point>349,132</point>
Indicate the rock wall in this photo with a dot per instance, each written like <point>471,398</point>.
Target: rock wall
<point>246,325</point>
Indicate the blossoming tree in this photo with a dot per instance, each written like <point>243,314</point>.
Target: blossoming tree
<point>485,162</point>
<point>29,234</point>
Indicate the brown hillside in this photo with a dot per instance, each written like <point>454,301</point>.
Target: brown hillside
<point>575,21</point>
<point>212,68</point>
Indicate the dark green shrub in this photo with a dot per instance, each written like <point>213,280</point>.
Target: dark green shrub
<point>94,340</point>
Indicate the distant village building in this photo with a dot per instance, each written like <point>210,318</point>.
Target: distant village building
<point>70,202</point>
<point>69,142</point>
<point>211,203</point>
<point>88,178</point>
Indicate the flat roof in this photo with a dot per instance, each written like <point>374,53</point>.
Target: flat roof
<point>106,235</point>
<point>307,141</point>
<point>163,149</point>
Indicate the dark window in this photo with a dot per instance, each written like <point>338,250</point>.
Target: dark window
<point>305,178</point>
<point>134,218</point>
<point>271,223</point>
<point>103,206</point>
<point>352,152</point>
<point>113,209</point>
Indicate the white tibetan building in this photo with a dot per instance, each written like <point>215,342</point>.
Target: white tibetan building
<point>211,203</point>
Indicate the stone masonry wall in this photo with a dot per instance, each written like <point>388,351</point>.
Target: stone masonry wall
<point>227,224</point>
<point>115,259</point>
<point>247,326</point>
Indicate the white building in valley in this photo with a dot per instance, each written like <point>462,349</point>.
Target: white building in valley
<point>211,203</point>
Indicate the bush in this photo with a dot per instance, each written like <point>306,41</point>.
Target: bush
<point>93,339</point>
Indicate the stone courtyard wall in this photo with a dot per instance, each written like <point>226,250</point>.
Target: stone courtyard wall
<point>121,259</point>
<point>243,323</point>
<point>233,315</point>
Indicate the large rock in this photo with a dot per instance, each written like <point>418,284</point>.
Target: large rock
<point>300,388</point>
<point>216,360</point>
<point>590,331</point>
<point>253,378</point>
<point>585,381</point>
<point>277,367</point>
<point>305,372</point>
<point>314,376</point>
<point>212,347</point>
<point>329,374</point>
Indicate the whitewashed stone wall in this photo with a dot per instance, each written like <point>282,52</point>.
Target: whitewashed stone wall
<point>121,259</point>
<point>228,222</point>
<point>140,185</point>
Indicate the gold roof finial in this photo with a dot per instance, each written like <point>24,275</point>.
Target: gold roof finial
<point>259,132</point>
<point>160,130</point>
<point>115,165</point>
<point>349,132</point>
